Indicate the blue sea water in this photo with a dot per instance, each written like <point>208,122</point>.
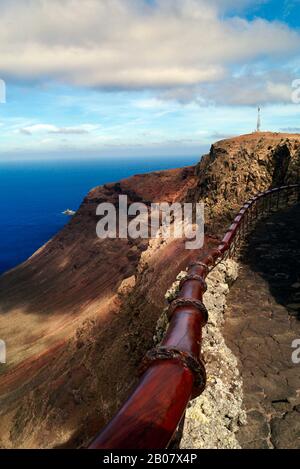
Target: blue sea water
<point>33,195</point>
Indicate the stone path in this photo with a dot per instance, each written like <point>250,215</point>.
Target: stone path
<point>263,319</point>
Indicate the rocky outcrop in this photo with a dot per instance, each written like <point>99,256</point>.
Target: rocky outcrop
<point>238,168</point>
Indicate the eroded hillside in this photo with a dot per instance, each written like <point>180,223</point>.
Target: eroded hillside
<point>79,315</point>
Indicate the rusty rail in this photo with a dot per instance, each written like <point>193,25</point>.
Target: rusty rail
<point>174,373</point>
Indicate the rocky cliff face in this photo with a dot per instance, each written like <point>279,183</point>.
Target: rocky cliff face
<point>238,168</point>
<point>78,316</point>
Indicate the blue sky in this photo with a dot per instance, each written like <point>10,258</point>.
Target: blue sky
<point>136,77</point>
<point>275,10</point>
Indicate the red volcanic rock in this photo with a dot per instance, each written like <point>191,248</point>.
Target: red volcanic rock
<point>74,342</point>
<point>236,169</point>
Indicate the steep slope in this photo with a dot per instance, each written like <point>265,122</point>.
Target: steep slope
<point>79,315</point>
<point>74,333</point>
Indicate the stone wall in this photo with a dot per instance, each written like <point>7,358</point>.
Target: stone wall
<point>213,418</point>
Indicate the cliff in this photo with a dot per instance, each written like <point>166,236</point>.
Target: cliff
<point>237,168</point>
<point>78,316</point>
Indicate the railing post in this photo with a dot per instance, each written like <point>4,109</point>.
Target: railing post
<point>264,205</point>
<point>256,208</point>
<point>270,203</point>
<point>238,241</point>
<point>249,218</point>
<point>243,228</point>
<point>287,198</point>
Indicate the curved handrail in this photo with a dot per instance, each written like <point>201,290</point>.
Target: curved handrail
<point>173,373</point>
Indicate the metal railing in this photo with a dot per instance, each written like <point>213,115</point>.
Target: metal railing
<point>174,372</point>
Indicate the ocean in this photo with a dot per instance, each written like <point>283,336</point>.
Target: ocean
<point>33,195</point>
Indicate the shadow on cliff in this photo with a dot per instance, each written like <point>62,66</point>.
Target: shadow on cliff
<point>68,274</point>
<point>76,268</point>
<point>273,251</point>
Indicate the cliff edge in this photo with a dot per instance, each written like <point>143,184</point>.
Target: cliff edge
<point>238,168</point>
<point>78,316</point>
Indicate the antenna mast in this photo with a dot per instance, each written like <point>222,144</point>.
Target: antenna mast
<point>258,120</point>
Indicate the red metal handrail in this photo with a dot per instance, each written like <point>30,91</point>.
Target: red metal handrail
<point>174,372</point>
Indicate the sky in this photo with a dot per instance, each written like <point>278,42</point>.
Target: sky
<point>143,77</point>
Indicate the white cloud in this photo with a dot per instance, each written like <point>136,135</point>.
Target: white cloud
<point>131,44</point>
<point>151,104</point>
<point>36,128</point>
<point>53,129</point>
<point>246,89</point>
